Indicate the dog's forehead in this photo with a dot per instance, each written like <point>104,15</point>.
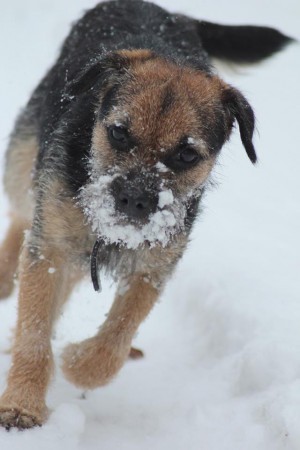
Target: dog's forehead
<point>164,102</point>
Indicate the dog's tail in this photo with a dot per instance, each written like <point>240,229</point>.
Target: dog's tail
<point>241,44</point>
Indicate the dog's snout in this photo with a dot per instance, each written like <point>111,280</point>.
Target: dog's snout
<point>134,204</point>
<point>133,200</point>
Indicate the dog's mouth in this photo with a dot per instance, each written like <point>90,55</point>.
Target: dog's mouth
<point>128,216</point>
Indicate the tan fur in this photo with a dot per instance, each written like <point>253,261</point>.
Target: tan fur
<point>136,353</point>
<point>137,55</point>
<point>23,402</point>
<point>18,175</point>
<point>192,90</point>
<point>64,222</point>
<point>9,255</point>
<point>18,184</point>
<point>95,361</point>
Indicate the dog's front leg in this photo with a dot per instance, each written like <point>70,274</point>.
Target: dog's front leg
<point>23,403</point>
<point>95,361</point>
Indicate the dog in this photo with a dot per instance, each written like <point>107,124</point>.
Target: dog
<point>105,170</point>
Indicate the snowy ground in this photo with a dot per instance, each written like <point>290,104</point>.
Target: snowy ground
<point>222,365</point>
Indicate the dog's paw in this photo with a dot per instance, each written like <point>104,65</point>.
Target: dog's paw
<point>91,364</point>
<point>20,410</point>
<point>135,353</point>
<point>16,418</point>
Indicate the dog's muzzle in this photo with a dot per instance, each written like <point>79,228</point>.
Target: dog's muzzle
<point>135,196</point>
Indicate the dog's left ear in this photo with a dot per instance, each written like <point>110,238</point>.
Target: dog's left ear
<point>107,68</point>
<point>238,109</point>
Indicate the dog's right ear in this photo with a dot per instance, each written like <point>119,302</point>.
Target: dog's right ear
<point>238,109</point>
<point>107,68</point>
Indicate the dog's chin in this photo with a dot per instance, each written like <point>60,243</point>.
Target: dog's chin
<point>157,230</point>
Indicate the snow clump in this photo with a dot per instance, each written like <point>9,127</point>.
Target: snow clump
<point>99,207</point>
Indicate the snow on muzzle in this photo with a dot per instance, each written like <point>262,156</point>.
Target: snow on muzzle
<point>132,209</point>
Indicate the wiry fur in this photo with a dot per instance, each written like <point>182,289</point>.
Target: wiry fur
<point>131,63</point>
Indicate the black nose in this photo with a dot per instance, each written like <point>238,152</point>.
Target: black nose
<point>133,200</point>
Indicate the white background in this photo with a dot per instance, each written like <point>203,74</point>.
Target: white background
<point>222,365</point>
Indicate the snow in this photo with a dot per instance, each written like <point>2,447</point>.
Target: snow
<point>161,167</point>
<point>99,207</point>
<point>165,197</point>
<point>191,140</point>
<point>222,348</point>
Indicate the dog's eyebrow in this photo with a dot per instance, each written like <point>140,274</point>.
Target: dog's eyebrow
<point>107,101</point>
<point>167,100</point>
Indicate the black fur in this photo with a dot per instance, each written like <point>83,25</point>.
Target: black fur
<point>108,101</point>
<point>62,108</point>
<point>241,44</point>
<point>240,110</point>
<point>167,101</point>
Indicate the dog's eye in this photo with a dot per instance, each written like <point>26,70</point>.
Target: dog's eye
<point>118,136</point>
<point>118,133</point>
<point>182,159</point>
<point>188,156</point>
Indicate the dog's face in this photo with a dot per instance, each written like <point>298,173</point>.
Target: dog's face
<point>158,131</point>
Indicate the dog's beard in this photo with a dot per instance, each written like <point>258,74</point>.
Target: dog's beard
<point>113,227</point>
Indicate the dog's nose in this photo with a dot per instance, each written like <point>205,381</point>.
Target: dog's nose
<point>132,200</point>
<point>134,204</point>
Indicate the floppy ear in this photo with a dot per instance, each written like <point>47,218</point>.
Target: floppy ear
<point>106,67</point>
<point>240,110</point>
<point>97,73</point>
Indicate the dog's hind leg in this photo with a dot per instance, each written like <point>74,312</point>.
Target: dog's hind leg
<point>95,361</point>
<point>9,255</point>
<point>135,353</point>
<point>18,178</point>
